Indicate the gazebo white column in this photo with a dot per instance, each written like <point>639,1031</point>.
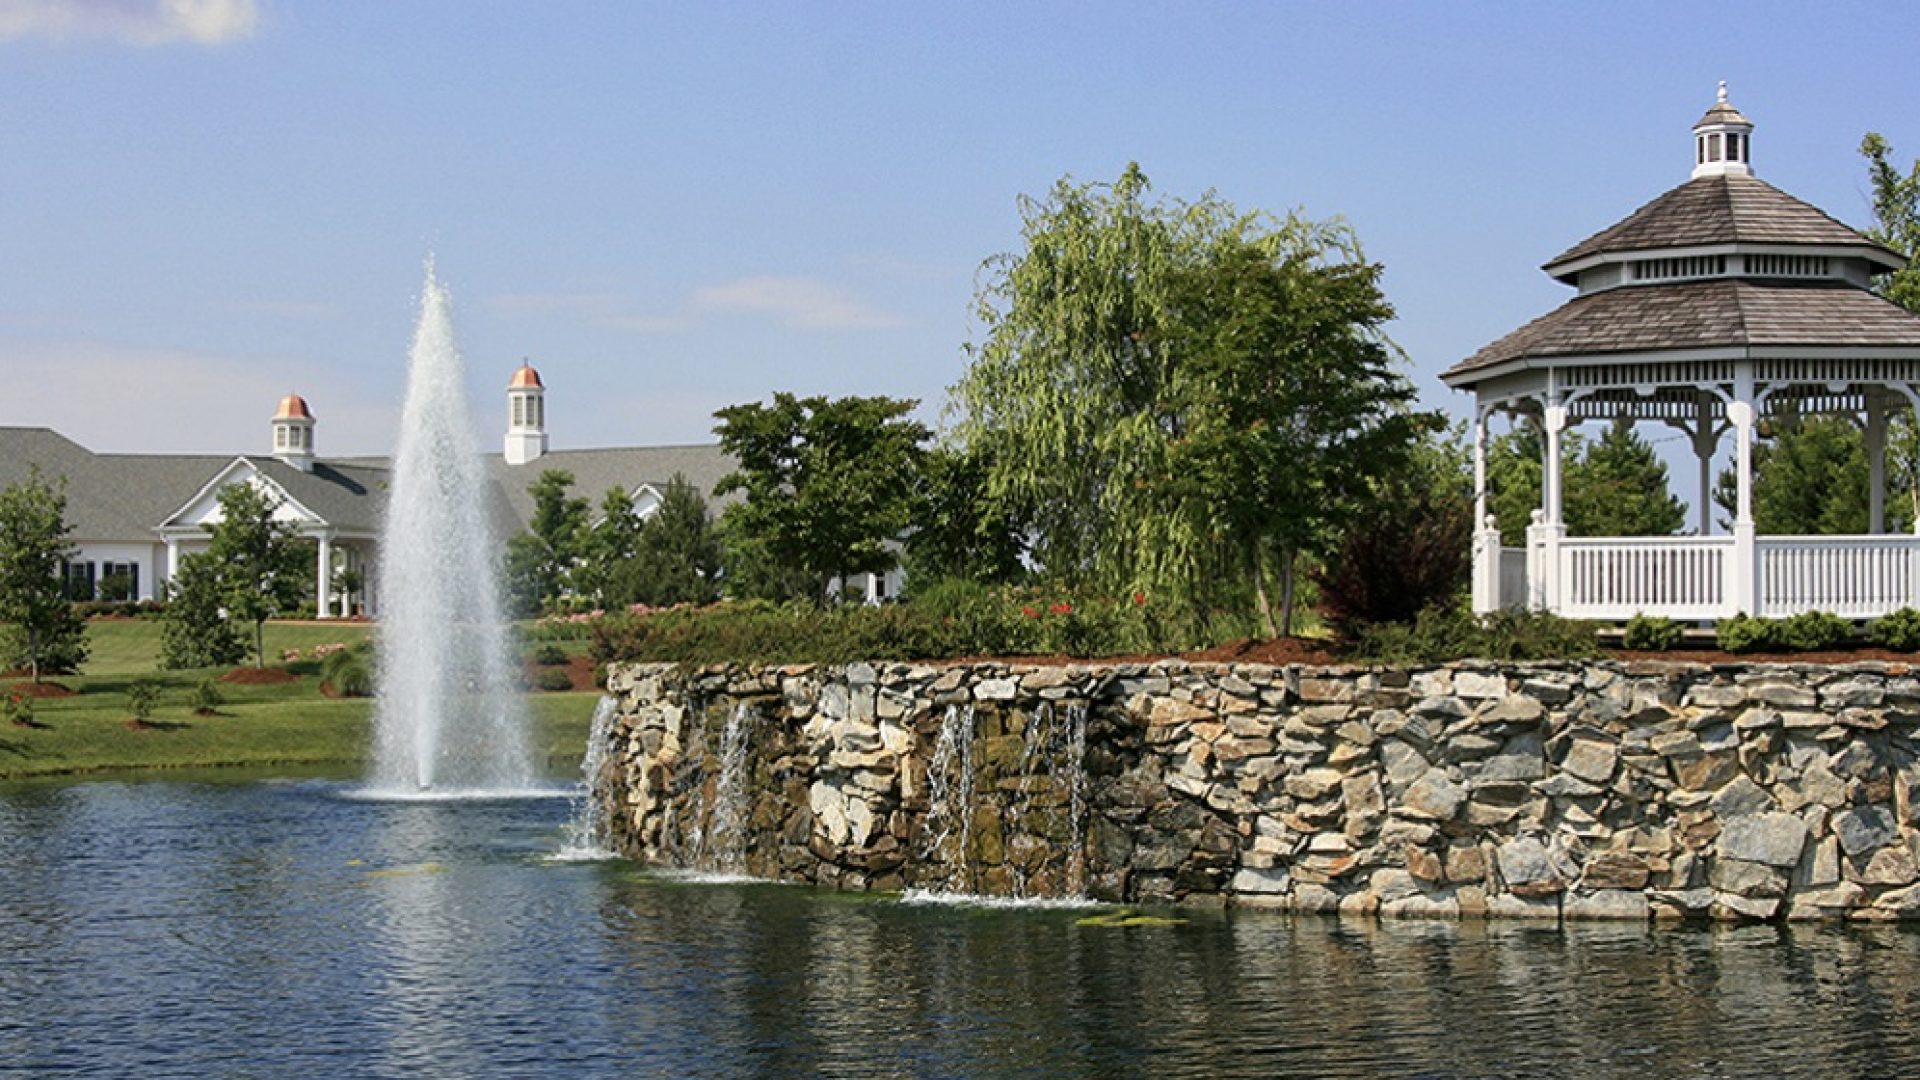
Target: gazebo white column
<point>1486,531</point>
<point>1552,527</point>
<point>1743,590</point>
<point>323,590</point>
<point>1876,447</point>
<point>1705,441</point>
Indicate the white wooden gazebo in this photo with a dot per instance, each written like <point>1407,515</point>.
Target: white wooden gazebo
<point>1719,303</point>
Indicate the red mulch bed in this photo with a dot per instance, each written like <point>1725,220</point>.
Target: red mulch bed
<point>249,676</point>
<point>579,671</point>
<point>41,689</point>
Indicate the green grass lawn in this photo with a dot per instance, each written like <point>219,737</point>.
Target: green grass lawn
<point>285,724</point>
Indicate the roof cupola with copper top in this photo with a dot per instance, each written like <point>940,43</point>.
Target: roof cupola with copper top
<point>526,416</point>
<point>293,432</point>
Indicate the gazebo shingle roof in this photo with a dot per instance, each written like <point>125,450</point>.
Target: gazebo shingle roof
<point>1716,313</point>
<point>1716,210</point>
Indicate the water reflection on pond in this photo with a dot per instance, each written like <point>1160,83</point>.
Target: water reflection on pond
<point>282,929</point>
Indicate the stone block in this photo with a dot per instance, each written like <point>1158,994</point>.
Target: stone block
<point>1770,839</point>
<point>1434,797</point>
<point>1258,881</point>
<point>1864,829</point>
<point>1478,684</point>
<point>1605,904</point>
<point>1591,760</point>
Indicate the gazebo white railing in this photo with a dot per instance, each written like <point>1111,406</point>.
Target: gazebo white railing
<point>1695,578</point>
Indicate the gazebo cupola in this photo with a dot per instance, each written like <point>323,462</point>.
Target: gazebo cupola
<point>1722,302</point>
<point>1723,141</point>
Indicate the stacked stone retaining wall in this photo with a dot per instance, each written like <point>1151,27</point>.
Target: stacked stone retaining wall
<point>1537,790</point>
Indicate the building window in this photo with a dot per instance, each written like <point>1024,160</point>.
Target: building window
<point>80,580</point>
<point>519,411</point>
<point>539,412</point>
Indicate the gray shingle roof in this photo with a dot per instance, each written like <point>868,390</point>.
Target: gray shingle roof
<point>1715,313</point>
<point>1717,210</point>
<point>125,497</point>
<point>594,471</point>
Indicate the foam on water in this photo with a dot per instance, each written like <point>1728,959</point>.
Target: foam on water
<point>939,898</point>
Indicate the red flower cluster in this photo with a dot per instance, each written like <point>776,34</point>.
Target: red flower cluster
<point>1062,608</point>
<point>1029,611</point>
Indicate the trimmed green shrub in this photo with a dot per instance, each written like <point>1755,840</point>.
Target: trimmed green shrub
<point>1747,634</point>
<point>1410,553</point>
<point>553,679</point>
<point>1651,633</point>
<point>349,672</point>
<point>17,706</point>
<point>1444,632</point>
<point>1899,631</point>
<point>549,655</point>
<point>1812,631</point>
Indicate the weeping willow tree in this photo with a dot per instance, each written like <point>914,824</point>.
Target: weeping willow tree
<point>1179,396</point>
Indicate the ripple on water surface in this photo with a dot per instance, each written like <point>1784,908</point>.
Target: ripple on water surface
<point>288,929</point>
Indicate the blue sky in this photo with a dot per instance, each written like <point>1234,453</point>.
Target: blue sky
<point>672,208</point>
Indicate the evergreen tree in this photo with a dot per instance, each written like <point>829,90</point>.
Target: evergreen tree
<point>1809,478</point>
<point>1618,487</point>
<point>675,557</point>
<point>42,631</point>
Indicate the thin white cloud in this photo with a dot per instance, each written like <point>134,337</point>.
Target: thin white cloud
<point>798,302</point>
<point>131,22</point>
<point>111,397</point>
<point>805,303</point>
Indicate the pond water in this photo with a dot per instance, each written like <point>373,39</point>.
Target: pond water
<point>189,927</point>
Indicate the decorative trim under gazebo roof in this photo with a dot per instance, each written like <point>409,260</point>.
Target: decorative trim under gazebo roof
<point>1717,313</point>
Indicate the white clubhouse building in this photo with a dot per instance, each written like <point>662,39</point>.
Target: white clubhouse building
<point>136,515</point>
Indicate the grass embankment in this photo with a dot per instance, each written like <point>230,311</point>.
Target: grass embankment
<point>290,723</point>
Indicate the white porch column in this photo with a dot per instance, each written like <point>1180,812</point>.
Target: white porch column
<point>1743,594</point>
<point>173,561</point>
<point>1703,447</point>
<point>1876,445</point>
<point>1486,531</point>
<point>323,589</point>
<point>1552,527</point>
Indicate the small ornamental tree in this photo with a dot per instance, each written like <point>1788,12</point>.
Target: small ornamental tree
<point>194,631</point>
<point>42,626</point>
<point>605,545</point>
<point>828,483</point>
<point>540,560</point>
<point>258,563</point>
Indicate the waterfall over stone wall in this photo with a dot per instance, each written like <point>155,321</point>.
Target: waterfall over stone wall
<point>1544,790</point>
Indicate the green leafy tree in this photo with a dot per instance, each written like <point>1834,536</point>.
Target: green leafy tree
<point>1896,223</point>
<point>675,555</point>
<point>1896,218</point>
<point>43,633</point>
<point>1151,389</point>
<point>194,629</point>
<point>827,483</point>
<point>1411,547</point>
<point>540,559</point>
<point>260,568</point>
<point>1288,404</point>
<point>1809,478</point>
<point>958,532</point>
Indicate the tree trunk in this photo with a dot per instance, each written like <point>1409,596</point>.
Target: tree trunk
<point>260,644</point>
<point>1287,559</point>
<point>1260,591</point>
